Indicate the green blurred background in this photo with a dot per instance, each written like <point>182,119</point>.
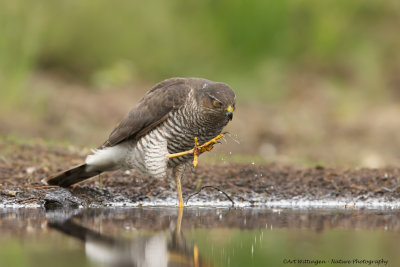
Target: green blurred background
<point>317,81</point>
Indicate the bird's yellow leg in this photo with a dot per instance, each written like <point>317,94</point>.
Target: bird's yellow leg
<point>197,150</point>
<point>178,173</point>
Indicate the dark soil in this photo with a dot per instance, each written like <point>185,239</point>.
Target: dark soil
<point>22,166</point>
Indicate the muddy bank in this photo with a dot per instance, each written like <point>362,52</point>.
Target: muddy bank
<point>22,166</point>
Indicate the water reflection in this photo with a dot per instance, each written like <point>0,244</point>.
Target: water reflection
<point>144,249</point>
<point>194,236</point>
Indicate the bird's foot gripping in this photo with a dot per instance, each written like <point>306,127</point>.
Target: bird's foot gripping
<point>198,150</point>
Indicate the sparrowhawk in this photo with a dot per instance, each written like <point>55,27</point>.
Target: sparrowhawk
<point>174,122</point>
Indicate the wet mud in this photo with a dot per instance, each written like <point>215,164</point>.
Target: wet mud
<point>23,166</point>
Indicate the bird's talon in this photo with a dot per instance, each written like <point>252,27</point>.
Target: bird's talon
<point>197,149</point>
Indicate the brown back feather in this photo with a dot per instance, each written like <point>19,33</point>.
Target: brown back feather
<point>151,110</point>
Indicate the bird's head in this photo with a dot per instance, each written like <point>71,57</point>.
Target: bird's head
<point>216,99</point>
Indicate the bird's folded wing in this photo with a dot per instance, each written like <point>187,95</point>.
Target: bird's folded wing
<point>152,109</point>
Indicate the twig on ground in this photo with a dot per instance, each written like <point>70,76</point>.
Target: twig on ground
<point>209,186</point>
<point>44,186</point>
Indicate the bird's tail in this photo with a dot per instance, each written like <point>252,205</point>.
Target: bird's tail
<point>71,176</point>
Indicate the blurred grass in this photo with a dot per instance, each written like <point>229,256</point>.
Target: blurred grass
<point>254,45</point>
<point>307,73</point>
<point>21,27</point>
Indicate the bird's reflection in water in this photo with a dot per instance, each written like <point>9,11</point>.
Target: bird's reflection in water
<point>162,248</point>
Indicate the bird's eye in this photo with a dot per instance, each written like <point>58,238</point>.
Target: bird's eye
<point>217,104</point>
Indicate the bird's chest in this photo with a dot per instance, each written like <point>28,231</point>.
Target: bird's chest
<point>181,131</point>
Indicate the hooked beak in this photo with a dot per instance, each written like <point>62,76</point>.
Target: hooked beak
<point>229,112</point>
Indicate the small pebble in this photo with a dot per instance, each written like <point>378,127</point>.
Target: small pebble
<point>30,170</point>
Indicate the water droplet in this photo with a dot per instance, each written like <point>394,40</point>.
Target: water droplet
<point>234,137</point>
<point>276,211</point>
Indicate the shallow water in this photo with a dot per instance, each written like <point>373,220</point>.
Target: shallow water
<point>198,237</point>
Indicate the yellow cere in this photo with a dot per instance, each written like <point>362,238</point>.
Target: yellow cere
<point>229,109</point>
